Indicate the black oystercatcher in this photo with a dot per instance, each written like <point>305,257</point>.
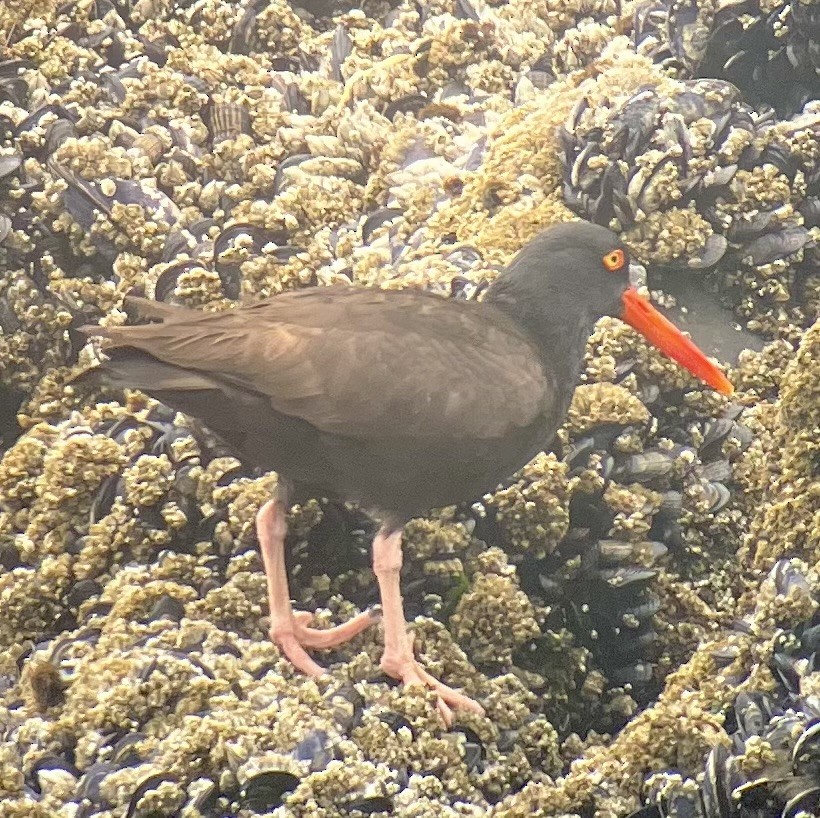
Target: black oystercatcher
<point>402,401</point>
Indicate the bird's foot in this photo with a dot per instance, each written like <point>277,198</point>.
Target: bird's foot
<point>293,636</point>
<point>406,668</point>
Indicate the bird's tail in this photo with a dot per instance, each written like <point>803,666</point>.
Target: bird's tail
<point>133,369</point>
<point>127,366</point>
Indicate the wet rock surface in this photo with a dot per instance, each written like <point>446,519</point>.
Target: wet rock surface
<point>635,609</point>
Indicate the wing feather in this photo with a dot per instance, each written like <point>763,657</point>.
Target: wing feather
<point>363,363</point>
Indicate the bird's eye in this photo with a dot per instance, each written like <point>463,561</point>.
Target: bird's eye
<point>615,260</point>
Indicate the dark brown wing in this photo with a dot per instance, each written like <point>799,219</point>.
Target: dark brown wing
<point>358,362</point>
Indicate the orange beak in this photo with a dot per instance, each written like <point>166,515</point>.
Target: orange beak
<point>642,316</point>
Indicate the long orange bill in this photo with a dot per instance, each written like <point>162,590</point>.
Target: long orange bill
<point>661,332</point>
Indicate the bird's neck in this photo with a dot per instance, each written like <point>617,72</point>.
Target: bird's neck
<point>559,329</point>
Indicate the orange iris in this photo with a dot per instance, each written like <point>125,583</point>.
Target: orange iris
<point>615,260</point>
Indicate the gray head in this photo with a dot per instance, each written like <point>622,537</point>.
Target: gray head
<point>568,277</point>
<point>577,269</point>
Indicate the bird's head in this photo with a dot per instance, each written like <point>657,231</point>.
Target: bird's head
<point>580,268</point>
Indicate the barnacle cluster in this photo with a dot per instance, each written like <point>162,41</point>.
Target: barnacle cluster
<point>711,168</point>
<point>207,153</point>
<point>702,184</point>
<point>787,460</point>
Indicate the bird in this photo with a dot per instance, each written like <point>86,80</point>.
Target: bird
<point>401,401</point>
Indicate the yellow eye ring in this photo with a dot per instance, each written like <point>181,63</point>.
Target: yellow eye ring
<point>615,260</point>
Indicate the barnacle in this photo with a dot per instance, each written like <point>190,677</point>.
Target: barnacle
<point>493,605</point>
<point>225,152</point>
<point>787,520</point>
<point>698,181</point>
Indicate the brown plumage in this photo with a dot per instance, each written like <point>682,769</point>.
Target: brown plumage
<point>401,401</point>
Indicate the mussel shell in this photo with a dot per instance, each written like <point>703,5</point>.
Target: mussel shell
<point>90,784</point>
<point>617,552</point>
<point>230,272</point>
<point>49,762</point>
<point>810,640</point>
<point>715,791</point>
<point>58,132</point>
<point>753,712</point>
<point>806,753</point>
<point>165,285</point>
<point>203,796</point>
<point>621,578</point>
<point>376,219</point>
<point>167,607</point>
<point>804,802</point>
<point>124,753</point>
<point>264,791</point>
<point>243,37</point>
<point>260,236</point>
<point>788,576</point>
<point>317,749</point>
<point>340,50</point>
<point>104,498</point>
<point>717,495</point>
<point>772,246</point>
<point>347,706</point>
<point>784,669</point>
<point>227,121</point>
<point>713,251</point>
<point>724,656</point>
<point>465,289</point>
<point>715,432</point>
<point>9,556</point>
<point>201,229</point>
<point>10,164</point>
<point>5,229</point>
<point>410,104</point>
<point>150,783</point>
<point>370,804</point>
<point>289,162</point>
<point>14,90</point>
<point>34,118</point>
<point>82,591</point>
<point>646,466</point>
<point>717,470</point>
<point>176,242</point>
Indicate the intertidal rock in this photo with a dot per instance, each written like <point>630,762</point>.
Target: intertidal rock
<point>218,152</point>
<point>701,183</point>
<point>769,50</point>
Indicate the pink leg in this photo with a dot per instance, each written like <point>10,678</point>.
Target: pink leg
<point>288,630</point>
<point>398,660</point>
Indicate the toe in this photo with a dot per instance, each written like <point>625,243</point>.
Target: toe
<point>451,697</point>
<point>298,656</point>
<point>448,699</point>
<point>445,712</point>
<point>331,637</point>
<point>301,619</point>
